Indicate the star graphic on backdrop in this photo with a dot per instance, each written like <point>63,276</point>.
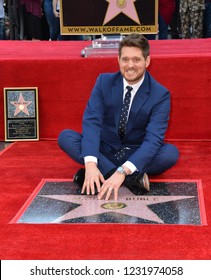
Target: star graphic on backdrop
<point>128,204</point>
<point>116,7</point>
<point>21,105</point>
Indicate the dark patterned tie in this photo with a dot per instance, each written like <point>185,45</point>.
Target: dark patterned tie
<point>124,113</point>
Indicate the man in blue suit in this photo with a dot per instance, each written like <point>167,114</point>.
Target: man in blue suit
<point>113,152</point>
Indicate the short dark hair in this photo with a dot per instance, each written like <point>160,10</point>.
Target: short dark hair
<point>135,40</point>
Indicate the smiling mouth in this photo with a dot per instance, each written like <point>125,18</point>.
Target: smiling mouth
<point>131,71</point>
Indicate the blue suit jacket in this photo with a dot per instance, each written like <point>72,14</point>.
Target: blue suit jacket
<point>147,122</point>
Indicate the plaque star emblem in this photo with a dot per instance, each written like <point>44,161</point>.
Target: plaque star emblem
<point>116,7</point>
<point>21,105</point>
<point>128,204</point>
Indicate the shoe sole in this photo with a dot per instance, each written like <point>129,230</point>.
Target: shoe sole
<point>146,182</point>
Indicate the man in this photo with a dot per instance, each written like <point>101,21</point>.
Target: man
<point>115,153</point>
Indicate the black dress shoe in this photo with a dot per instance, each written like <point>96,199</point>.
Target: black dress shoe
<point>137,180</point>
<point>79,177</point>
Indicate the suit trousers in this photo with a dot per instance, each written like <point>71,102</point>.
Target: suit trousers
<point>70,143</point>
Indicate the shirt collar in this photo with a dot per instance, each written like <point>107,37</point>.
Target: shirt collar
<point>135,86</point>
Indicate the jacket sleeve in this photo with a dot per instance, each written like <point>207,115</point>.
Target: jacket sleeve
<point>92,122</point>
<point>155,133</point>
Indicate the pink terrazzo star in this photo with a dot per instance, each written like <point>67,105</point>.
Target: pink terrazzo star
<point>21,105</point>
<point>116,7</point>
<point>134,206</point>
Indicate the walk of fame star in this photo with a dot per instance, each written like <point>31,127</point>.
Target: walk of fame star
<point>21,105</point>
<point>167,203</point>
<point>116,7</point>
<point>134,207</point>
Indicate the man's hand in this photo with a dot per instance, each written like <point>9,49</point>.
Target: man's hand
<point>93,177</point>
<point>111,185</point>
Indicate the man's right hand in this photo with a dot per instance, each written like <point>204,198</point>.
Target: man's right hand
<point>93,177</point>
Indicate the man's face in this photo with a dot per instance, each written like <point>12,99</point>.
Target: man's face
<point>132,64</point>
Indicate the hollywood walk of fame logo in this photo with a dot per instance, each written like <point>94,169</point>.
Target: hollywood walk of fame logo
<point>113,205</point>
<point>166,203</point>
<point>21,105</point>
<point>116,7</point>
<point>121,3</point>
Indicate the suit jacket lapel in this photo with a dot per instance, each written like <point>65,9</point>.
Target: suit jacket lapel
<point>139,100</point>
<point>117,99</point>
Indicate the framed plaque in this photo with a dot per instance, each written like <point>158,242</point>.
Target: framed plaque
<point>21,114</point>
<point>89,17</point>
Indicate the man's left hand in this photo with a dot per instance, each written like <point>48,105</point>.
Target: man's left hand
<point>111,186</point>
